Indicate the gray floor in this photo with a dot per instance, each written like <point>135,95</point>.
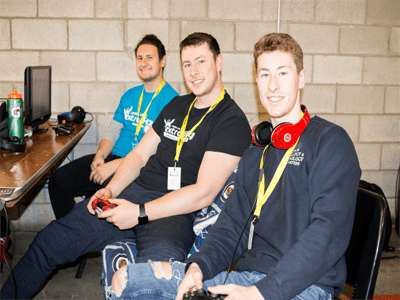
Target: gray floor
<point>388,282</point>
<point>63,284</point>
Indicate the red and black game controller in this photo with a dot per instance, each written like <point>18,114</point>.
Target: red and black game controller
<point>102,204</point>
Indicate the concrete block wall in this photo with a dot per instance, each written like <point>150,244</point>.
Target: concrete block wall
<point>352,58</point>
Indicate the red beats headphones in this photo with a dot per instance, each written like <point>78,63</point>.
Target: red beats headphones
<point>282,136</point>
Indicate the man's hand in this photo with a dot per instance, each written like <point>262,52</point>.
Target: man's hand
<point>98,195</point>
<point>124,216</point>
<point>101,173</point>
<point>98,160</point>
<point>237,292</point>
<point>192,281</point>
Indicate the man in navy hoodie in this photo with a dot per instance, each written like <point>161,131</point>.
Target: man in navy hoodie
<point>294,200</point>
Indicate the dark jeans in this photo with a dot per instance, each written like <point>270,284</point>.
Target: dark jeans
<point>64,240</point>
<point>72,180</point>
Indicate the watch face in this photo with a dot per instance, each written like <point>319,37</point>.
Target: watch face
<point>143,220</point>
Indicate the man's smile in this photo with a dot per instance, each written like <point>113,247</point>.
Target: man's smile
<point>197,82</point>
<point>275,98</point>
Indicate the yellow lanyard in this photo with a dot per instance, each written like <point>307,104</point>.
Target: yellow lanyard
<point>182,135</point>
<point>262,196</point>
<point>139,125</point>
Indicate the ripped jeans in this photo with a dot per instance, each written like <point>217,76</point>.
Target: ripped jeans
<point>143,284</point>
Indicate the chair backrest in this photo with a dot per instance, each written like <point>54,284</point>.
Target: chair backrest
<point>366,243</point>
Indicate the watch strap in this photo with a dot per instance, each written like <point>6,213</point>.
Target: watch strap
<point>142,219</point>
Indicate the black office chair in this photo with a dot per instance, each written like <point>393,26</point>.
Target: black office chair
<point>366,244</point>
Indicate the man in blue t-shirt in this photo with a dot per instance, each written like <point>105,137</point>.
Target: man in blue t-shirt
<point>136,112</point>
<point>178,168</point>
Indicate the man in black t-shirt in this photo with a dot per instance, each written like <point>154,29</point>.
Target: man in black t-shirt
<point>178,168</point>
<point>287,223</point>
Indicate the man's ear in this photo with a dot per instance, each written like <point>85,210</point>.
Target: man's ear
<point>219,62</point>
<point>302,78</point>
<point>163,61</point>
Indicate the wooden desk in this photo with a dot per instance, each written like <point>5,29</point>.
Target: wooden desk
<point>21,171</point>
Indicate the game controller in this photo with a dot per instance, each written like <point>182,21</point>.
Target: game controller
<point>64,129</point>
<point>102,204</point>
<point>201,295</point>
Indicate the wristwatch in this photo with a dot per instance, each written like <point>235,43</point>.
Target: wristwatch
<point>143,219</point>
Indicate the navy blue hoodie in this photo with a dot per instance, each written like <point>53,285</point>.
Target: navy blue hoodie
<point>304,227</point>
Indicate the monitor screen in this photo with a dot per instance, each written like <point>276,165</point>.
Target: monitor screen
<point>37,96</point>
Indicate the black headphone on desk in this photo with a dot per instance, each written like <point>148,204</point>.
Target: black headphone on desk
<point>76,115</point>
<point>14,144</point>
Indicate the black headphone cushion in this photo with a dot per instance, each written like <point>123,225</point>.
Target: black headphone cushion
<point>261,134</point>
<point>78,114</point>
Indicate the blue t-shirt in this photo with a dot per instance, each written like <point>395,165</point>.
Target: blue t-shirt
<point>126,114</point>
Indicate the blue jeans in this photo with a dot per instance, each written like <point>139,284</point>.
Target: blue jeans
<point>64,240</point>
<point>143,284</point>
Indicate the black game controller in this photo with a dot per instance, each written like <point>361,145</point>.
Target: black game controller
<point>64,129</point>
<point>201,295</point>
<point>13,143</point>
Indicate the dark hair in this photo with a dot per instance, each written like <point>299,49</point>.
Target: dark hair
<point>279,42</point>
<point>199,38</point>
<point>151,39</point>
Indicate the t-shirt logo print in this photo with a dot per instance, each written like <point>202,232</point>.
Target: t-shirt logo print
<point>128,115</point>
<point>172,132</point>
<point>132,117</point>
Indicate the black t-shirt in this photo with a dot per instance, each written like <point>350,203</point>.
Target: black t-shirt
<point>225,129</point>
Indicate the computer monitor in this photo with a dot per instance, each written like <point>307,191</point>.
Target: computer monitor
<point>37,97</point>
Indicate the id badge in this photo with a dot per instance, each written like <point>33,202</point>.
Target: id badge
<point>251,233</point>
<point>174,178</point>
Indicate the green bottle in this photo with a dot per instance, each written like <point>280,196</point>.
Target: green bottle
<point>15,115</point>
